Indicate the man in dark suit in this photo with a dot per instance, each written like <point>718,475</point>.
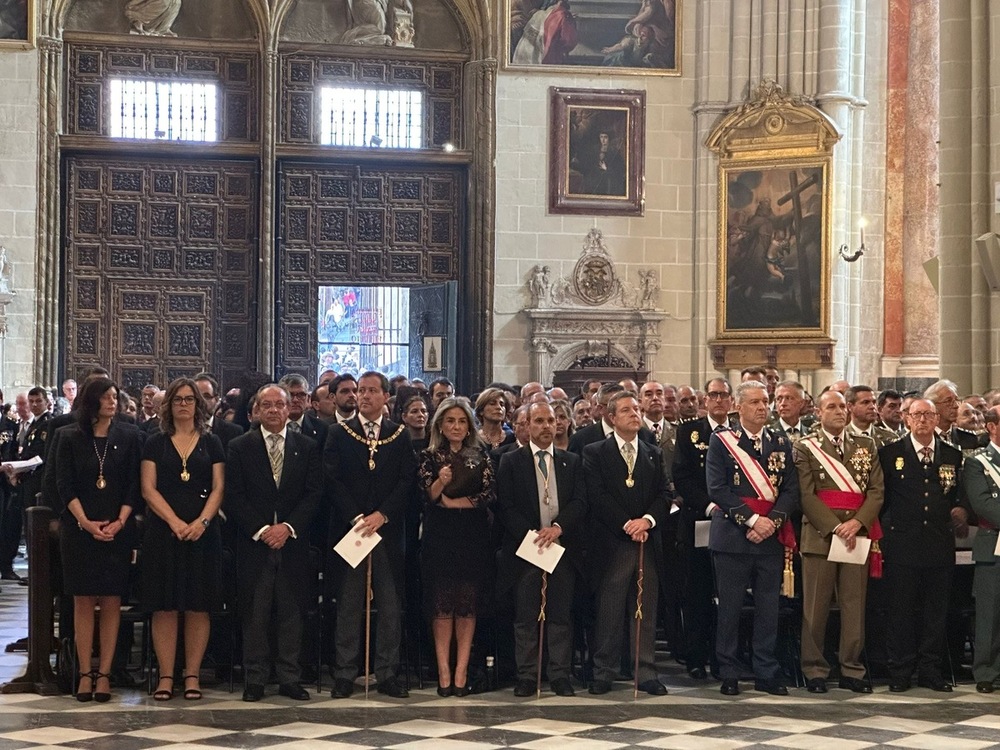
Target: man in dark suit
<point>209,388</point>
<point>298,420</point>
<point>696,562</point>
<point>540,487</point>
<point>13,424</point>
<point>520,425</point>
<point>602,427</point>
<point>628,496</point>
<point>981,476</point>
<point>370,469</point>
<point>273,489</point>
<point>752,480</point>
<point>922,476</point>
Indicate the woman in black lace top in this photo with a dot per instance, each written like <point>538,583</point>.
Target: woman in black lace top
<point>457,477</point>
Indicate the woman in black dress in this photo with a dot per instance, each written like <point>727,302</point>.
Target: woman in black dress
<point>457,476</point>
<point>97,470</point>
<point>182,481</point>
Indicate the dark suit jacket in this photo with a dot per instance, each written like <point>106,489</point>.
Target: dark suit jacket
<point>594,433</point>
<point>612,504</point>
<point>729,488</point>
<point>916,516</point>
<point>315,428</point>
<point>35,444</point>
<point>518,512</point>
<point>984,496</point>
<point>688,471</point>
<point>354,489</point>
<point>150,426</point>
<point>497,454</point>
<point>252,501</point>
<point>226,431</point>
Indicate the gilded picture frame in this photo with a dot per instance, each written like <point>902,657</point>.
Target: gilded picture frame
<point>17,24</point>
<point>597,152</point>
<point>774,257</point>
<point>628,37</point>
<point>775,198</point>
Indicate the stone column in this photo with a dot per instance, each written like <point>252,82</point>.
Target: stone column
<point>48,249</point>
<point>266,310</point>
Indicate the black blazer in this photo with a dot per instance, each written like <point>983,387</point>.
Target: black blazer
<point>226,432</point>
<point>315,428</point>
<point>916,515</point>
<point>354,489</point>
<point>688,472</point>
<point>594,433</point>
<point>518,512</point>
<point>611,503</point>
<point>252,500</point>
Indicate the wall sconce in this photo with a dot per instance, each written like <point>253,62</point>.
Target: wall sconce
<point>851,257</point>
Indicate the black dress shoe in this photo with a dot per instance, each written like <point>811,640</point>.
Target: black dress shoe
<point>563,687</point>
<point>898,685</point>
<point>342,688</point>
<point>599,687</point>
<point>294,691</point>
<point>393,688</point>
<point>816,685</point>
<point>855,685</point>
<point>697,673</point>
<point>653,687</point>
<point>772,687</point>
<point>463,691</point>
<point>524,688</point>
<point>937,684</point>
<point>253,693</point>
<point>984,687</point>
<point>730,687</point>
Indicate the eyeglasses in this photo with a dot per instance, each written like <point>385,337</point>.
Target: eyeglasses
<point>920,415</point>
<point>717,395</point>
<point>183,400</point>
<point>300,396</point>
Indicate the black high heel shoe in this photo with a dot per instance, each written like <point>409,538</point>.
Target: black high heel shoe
<point>86,697</point>
<point>461,692</point>
<point>101,697</point>
<point>445,692</point>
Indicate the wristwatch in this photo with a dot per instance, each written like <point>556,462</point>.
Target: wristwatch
<point>205,522</point>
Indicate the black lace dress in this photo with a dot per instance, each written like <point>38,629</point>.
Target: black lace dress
<point>456,555</point>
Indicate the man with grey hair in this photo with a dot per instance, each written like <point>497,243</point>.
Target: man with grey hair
<point>752,479</point>
<point>789,398</point>
<point>530,389</point>
<point>298,421</point>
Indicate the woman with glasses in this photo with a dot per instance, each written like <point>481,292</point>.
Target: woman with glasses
<point>97,468</point>
<point>182,482</point>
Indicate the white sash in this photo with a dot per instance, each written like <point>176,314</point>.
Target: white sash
<point>758,478</point>
<point>990,468</point>
<point>834,467</point>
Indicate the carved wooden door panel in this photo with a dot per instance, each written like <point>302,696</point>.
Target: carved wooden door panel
<point>160,267</point>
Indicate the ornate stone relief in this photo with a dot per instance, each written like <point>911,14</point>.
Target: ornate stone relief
<point>7,291</point>
<point>379,23</point>
<point>593,308</point>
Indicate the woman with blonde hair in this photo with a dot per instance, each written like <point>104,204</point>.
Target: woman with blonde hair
<point>182,481</point>
<point>457,477</point>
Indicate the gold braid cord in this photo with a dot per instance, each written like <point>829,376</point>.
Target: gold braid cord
<point>545,586</point>
<point>373,445</point>
<point>638,594</point>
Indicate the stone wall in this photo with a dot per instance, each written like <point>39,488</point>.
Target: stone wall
<point>18,180</point>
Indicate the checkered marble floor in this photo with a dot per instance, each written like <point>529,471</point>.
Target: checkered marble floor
<point>693,715</point>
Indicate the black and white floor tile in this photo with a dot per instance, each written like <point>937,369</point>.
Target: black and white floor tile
<point>694,715</point>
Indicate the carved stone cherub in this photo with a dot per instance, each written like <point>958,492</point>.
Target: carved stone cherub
<point>540,286</point>
<point>152,17</point>
<point>648,288</point>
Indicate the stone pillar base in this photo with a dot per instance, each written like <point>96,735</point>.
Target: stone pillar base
<point>919,366</point>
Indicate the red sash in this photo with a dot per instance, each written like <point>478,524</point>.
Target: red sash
<point>837,500</point>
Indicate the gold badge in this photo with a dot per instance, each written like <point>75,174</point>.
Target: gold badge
<point>694,436</point>
<point>736,479</point>
<point>899,464</point>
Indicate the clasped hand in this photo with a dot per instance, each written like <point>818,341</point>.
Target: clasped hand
<point>848,531</point>
<point>188,532</point>
<point>638,529</point>
<point>762,528</point>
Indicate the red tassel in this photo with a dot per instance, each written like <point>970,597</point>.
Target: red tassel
<point>875,562</point>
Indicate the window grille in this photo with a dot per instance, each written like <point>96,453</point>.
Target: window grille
<point>373,118</point>
<point>164,110</point>
<point>364,328</point>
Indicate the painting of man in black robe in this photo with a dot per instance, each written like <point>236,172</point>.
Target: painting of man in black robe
<point>774,243</point>
<point>14,19</point>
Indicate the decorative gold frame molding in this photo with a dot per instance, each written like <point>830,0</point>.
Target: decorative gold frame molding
<point>29,43</point>
<point>774,131</point>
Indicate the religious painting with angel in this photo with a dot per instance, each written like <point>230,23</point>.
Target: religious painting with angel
<point>626,36</point>
<point>772,267</point>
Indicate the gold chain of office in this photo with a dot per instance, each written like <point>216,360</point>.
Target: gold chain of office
<point>373,445</point>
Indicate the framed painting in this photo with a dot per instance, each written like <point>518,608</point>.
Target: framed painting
<point>596,152</point>
<point>774,255</point>
<point>640,37</point>
<point>17,24</point>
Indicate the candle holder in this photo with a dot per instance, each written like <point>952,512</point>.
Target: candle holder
<point>852,257</point>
